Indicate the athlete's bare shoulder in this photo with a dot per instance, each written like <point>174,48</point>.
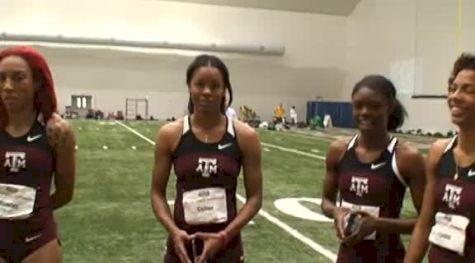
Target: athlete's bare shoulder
<point>59,131</point>
<point>172,128</point>
<point>243,130</point>
<point>170,133</point>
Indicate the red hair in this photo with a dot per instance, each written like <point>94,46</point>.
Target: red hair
<point>45,97</point>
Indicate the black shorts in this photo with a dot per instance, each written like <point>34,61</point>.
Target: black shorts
<point>20,238</point>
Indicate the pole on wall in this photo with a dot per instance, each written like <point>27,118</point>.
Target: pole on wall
<point>240,48</point>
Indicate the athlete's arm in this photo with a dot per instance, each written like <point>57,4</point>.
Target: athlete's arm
<point>167,138</point>
<point>61,138</point>
<point>330,186</point>
<point>161,174</point>
<point>419,240</point>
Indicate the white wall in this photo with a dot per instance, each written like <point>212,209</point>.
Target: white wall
<point>413,41</point>
<point>468,29</point>
<point>311,66</point>
<point>415,44</point>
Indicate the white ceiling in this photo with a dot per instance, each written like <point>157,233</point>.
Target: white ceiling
<point>331,7</point>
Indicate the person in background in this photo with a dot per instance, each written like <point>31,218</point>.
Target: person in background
<point>231,113</point>
<point>279,114</point>
<point>293,116</point>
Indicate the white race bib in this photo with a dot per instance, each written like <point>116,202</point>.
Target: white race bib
<point>16,201</point>
<point>205,206</point>
<point>372,210</point>
<point>449,232</point>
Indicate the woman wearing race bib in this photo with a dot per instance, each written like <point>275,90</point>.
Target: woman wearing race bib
<point>370,173</point>
<point>34,143</point>
<point>447,218</point>
<point>207,151</point>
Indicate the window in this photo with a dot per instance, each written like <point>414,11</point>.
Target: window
<point>81,101</point>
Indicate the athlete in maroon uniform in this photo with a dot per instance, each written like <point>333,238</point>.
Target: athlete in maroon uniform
<point>34,144</point>
<point>207,150</point>
<point>447,219</point>
<point>370,173</point>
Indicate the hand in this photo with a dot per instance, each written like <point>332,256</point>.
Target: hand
<point>212,243</point>
<point>339,214</point>
<point>366,225</point>
<point>180,238</point>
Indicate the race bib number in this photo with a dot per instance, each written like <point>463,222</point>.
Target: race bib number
<point>372,210</point>
<point>205,206</point>
<point>16,201</point>
<point>449,232</point>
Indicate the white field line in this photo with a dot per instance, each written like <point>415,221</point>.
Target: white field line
<point>311,155</point>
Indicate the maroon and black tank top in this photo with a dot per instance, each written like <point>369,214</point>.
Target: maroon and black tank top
<point>377,188</point>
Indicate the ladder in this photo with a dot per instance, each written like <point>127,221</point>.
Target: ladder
<point>131,107</point>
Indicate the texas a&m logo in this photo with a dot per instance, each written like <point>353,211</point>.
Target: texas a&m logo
<point>207,166</point>
<point>15,161</point>
<point>359,185</point>
<point>452,195</point>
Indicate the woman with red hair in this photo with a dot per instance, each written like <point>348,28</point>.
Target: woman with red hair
<point>35,143</point>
